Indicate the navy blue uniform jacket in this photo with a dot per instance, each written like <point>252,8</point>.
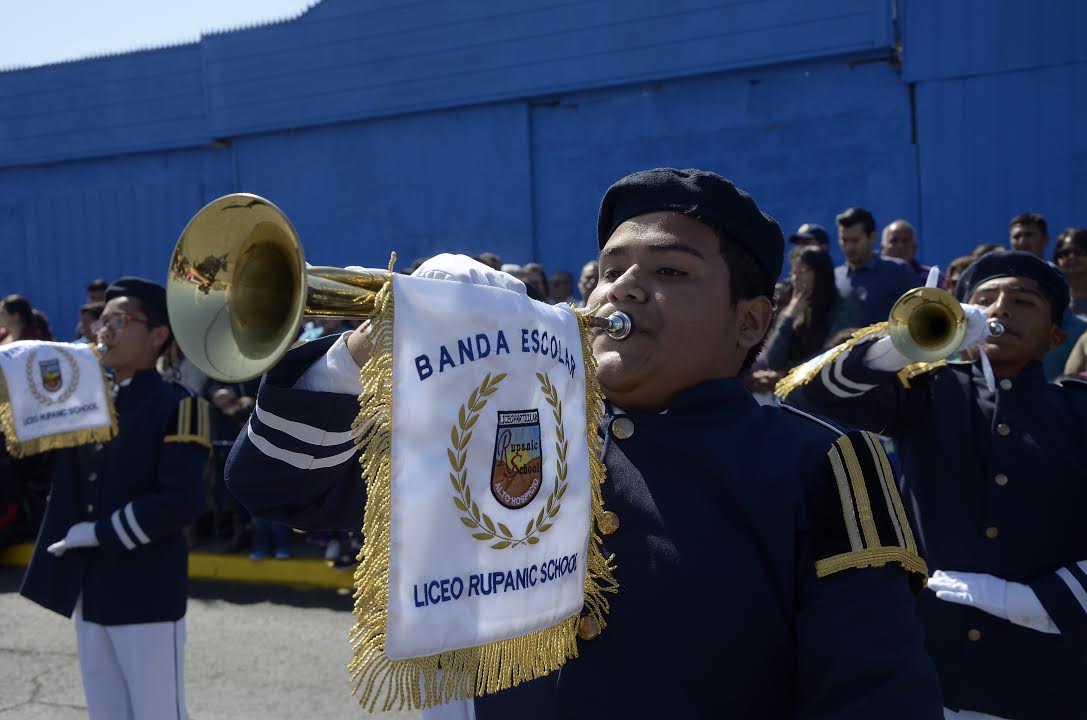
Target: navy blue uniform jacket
<point>997,482</point>
<point>724,509</point>
<point>140,489</point>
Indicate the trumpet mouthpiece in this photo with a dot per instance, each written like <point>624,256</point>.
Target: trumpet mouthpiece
<point>996,328</point>
<point>618,325</point>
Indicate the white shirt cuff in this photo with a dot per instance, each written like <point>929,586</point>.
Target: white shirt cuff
<point>335,372</point>
<point>1025,609</point>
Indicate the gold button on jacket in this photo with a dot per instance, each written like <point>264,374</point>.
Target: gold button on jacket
<point>587,628</point>
<point>622,428</point>
<point>1003,430</point>
<point>609,522</point>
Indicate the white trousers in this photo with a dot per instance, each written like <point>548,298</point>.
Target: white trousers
<point>132,672</point>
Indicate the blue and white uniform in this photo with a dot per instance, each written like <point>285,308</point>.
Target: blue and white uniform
<point>129,593</point>
<point>760,554</point>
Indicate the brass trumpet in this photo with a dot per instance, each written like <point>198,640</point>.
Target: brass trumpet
<point>928,324</point>
<point>238,287</point>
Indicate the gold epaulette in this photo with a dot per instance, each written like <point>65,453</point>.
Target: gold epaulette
<point>191,423</point>
<point>804,373</point>
<point>864,524</point>
<point>918,368</point>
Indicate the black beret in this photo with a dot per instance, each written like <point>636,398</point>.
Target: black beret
<point>151,295</point>
<point>1016,263</point>
<point>707,197</point>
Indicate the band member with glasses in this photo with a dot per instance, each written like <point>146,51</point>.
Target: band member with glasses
<point>748,587</point>
<point>111,550</point>
<point>996,478</point>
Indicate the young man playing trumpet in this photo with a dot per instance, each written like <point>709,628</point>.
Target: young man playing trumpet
<point>111,551</point>
<point>746,588</point>
<point>994,472</point>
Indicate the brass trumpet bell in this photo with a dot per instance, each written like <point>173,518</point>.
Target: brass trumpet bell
<point>238,287</point>
<point>927,324</point>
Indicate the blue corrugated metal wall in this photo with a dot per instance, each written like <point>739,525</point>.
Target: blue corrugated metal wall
<point>1001,93</point>
<point>424,126</point>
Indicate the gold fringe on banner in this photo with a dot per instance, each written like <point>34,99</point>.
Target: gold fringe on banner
<point>22,448</point>
<point>805,372</point>
<point>470,672</point>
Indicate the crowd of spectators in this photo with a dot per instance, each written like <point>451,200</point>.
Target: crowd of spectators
<point>819,305</point>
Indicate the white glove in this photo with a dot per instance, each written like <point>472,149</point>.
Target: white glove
<point>464,269</point>
<point>884,356</point>
<point>79,535</point>
<point>1009,601</point>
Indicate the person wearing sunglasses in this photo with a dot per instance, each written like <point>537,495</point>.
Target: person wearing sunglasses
<point>110,551</point>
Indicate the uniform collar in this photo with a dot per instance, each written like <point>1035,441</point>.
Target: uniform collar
<point>1033,375</point>
<point>141,379</point>
<point>712,396</point>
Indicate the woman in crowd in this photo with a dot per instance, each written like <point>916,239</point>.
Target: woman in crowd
<point>20,321</point>
<point>811,315</point>
<point>1070,255</point>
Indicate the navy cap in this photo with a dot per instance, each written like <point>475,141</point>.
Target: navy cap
<point>151,295</point>
<point>1016,263</point>
<point>706,196</point>
<point>808,232</point>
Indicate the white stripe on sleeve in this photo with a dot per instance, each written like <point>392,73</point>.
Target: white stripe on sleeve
<point>118,528</point>
<point>298,460</point>
<point>130,515</point>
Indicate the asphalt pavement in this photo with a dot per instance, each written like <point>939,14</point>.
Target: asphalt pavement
<point>253,652</point>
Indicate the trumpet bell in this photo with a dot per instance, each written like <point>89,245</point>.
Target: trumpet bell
<point>927,324</point>
<point>234,289</point>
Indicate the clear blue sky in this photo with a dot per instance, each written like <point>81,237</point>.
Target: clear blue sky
<point>37,32</point>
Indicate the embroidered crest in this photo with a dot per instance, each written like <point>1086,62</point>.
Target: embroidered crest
<point>50,374</point>
<point>517,470</point>
<point>51,378</point>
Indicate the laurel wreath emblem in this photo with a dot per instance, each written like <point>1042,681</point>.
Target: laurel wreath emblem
<point>73,383</point>
<point>486,528</point>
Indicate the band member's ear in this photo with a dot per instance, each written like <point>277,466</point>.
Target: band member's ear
<point>754,316</point>
<point>1057,336</point>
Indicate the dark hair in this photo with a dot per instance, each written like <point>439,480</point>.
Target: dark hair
<point>1030,219</point>
<point>747,278</point>
<point>956,268</point>
<point>985,249</point>
<point>19,305</point>
<point>92,308</point>
<point>97,285</point>
<point>853,216</point>
<point>156,317</point>
<point>809,339</point>
<point>39,328</point>
<point>537,267</point>
<point>1070,236</point>
<point>491,260</point>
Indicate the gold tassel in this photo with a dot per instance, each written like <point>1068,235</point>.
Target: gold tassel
<point>805,372</point>
<point>458,674</point>
<point>22,448</point>
<point>600,568</point>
